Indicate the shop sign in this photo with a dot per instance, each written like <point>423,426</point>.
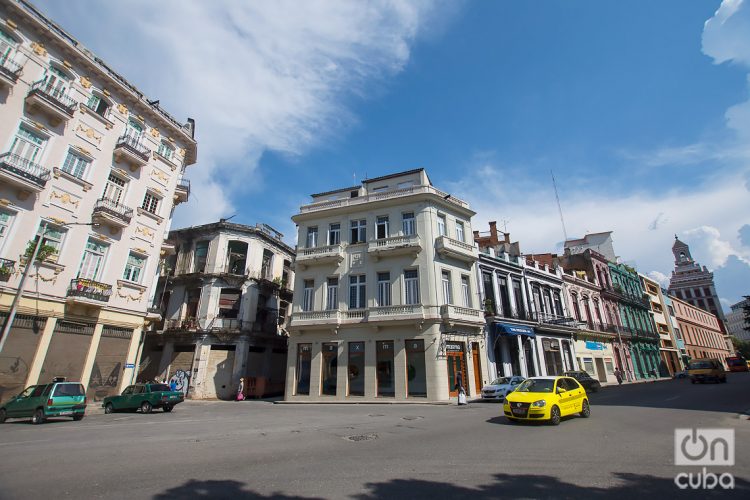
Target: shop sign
<point>453,347</point>
<point>594,346</point>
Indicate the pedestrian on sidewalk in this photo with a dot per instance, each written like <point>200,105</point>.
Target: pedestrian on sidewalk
<point>460,388</point>
<point>618,376</point>
<point>241,390</point>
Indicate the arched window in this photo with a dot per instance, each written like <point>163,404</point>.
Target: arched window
<point>99,104</point>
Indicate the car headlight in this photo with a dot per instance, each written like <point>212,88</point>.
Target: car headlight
<point>539,404</point>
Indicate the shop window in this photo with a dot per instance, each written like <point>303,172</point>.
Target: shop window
<point>384,373</point>
<point>329,368</point>
<point>416,374</point>
<point>304,357</point>
<point>356,368</point>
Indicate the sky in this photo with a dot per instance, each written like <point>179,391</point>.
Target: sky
<point>640,109</point>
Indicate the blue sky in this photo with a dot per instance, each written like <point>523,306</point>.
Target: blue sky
<point>640,108</point>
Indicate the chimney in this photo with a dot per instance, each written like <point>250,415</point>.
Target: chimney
<point>493,233</point>
<point>507,238</point>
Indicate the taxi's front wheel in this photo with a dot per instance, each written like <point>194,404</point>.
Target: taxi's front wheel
<point>585,409</point>
<point>554,415</point>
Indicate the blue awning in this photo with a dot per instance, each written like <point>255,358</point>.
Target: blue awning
<point>508,329</point>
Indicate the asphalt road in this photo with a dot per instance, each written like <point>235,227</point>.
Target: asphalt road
<point>257,449</point>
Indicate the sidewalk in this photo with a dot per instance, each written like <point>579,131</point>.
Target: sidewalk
<point>638,381</point>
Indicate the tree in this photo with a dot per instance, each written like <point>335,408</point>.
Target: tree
<point>742,347</point>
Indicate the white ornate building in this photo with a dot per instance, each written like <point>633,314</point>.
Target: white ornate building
<point>79,145</point>
<point>386,303</point>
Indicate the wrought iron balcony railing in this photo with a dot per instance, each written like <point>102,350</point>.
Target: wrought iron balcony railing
<point>53,95</point>
<point>133,144</point>
<point>554,319</point>
<point>24,168</point>
<point>89,289</point>
<point>6,268</point>
<point>114,209</point>
<point>10,69</point>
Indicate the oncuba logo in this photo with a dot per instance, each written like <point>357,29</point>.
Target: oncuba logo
<point>704,447</point>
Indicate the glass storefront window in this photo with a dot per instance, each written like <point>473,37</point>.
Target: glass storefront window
<point>384,372</point>
<point>304,352</point>
<point>608,364</point>
<point>356,368</point>
<point>416,375</point>
<point>328,369</point>
<point>588,365</point>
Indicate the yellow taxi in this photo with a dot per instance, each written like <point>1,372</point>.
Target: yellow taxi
<point>546,398</point>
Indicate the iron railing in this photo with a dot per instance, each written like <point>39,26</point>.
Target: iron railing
<point>24,168</point>
<point>89,289</point>
<point>54,96</point>
<point>133,144</point>
<point>554,319</point>
<point>184,185</point>
<point>10,69</point>
<point>6,268</point>
<point>114,209</point>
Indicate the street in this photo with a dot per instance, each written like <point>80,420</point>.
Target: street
<point>258,449</point>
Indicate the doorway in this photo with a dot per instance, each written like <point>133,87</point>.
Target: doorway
<point>600,371</point>
<point>477,367</point>
<point>456,364</point>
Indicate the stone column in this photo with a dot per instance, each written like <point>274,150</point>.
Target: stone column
<point>522,357</point>
<point>342,370</point>
<point>91,356</point>
<point>316,365</point>
<point>128,375</point>
<point>41,352</point>
<point>371,375</point>
<point>399,368</point>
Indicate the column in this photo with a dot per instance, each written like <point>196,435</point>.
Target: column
<point>507,364</point>
<point>522,356</point>
<point>128,375</point>
<point>291,366</point>
<point>342,370</point>
<point>399,369</point>
<point>239,369</point>
<point>41,352</point>
<point>371,376</point>
<point>315,370</point>
<point>91,356</point>
<point>166,360</point>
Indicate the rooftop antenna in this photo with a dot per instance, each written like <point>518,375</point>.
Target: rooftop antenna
<point>504,222</point>
<point>559,207</point>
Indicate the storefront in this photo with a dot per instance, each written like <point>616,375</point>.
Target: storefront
<point>556,353</point>
<point>596,357</point>
<point>514,350</point>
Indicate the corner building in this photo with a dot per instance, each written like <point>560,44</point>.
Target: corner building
<point>80,145</point>
<point>385,298</point>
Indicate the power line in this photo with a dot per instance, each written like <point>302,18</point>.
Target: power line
<point>559,207</point>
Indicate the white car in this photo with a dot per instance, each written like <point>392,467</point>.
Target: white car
<point>500,387</point>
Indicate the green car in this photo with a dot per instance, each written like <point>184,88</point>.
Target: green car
<point>58,399</point>
<point>143,396</point>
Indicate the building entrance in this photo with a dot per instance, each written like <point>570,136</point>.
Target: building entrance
<point>456,364</point>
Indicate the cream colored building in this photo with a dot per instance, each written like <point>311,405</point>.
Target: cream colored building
<point>79,145</point>
<point>225,296</point>
<point>386,302</point>
<point>669,351</point>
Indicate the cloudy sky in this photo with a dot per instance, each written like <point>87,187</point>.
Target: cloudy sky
<point>641,109</point>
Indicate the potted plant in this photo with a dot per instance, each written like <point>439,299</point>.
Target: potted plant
<point>489,307</point>
<point>6,269</point>
<point>46,252</point>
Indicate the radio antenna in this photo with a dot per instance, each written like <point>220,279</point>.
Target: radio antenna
<point>559,207</point>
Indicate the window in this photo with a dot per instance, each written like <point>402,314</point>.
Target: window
<point>460,236</point>
<point>302,375</point>
<point>384,366</point>
<point>518,296</point>
<point>201,253</point>
<point>312,237</point>
<point>558,304</point>
<point>150,203</point>
<point>6,219</point>
<point>307,295</point>
<point>98,105</point>
<point>165,151</point>
<point>114,189</point>
<point>93,259</point>
<point>134,268</point>
<point>332,294</point>
<point>381,227</point>
<point>384,289</point>
<point>357,292</point>
<point>416,373</point>
<point>7,44</point>
<point>266,265</point>
<point>411,287</point>
<point>53,236</point>
<point>442,231</point>
<point>134,131</point>
<point>56,82</point>
<point>75,165</point>
<point>27,147</point>
<point>447,295</point>
<point>359,231</point>
<point>334,234</point>
<point>504,295</point>
<point>466,291</point>
<point>356,368</point>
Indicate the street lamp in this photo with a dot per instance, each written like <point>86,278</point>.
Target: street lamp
<point>26,272</point>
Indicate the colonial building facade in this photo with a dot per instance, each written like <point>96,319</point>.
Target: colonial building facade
<point>701,332</point>
<point>529,327</point>
<point>693,283</point>
<point>93,169</point>
<point>385,298</point>
<point>225,295</point>
<point>671,360</point>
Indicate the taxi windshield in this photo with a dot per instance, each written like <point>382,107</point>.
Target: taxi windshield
<point>536,385</point>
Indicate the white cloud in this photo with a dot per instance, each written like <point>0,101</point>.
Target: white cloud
<point>256,76</point>
<point>707,241</point>
<point>660,278</point>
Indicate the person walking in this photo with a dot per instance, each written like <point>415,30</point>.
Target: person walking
<point>460,388</point>
<point>241,390</point>
<point>618,376</point>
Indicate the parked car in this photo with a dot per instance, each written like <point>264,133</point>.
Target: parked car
<point>144,397</point>
<point>546,398</point>
<point>705,369</point>
<point>589,383</point>
<point>737,364</point>
<point>500,387</point>
<point>57,399</point>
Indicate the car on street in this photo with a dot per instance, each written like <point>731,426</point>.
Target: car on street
<point>705,369</point>
<point>144,397</point>
<point>57,399</point>
<point>546,398</point>
<point>737,364</point>
<point>587,381</point>
<point>500,387</point>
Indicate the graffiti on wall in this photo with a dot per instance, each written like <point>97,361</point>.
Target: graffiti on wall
<point>13,373</point>
<point>104,386</point>
<point>181,379</point>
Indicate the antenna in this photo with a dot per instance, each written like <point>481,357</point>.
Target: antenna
<point>559,207</point>
<point>504,222</point>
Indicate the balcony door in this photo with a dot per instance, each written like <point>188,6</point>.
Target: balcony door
<point>56,82</point>
<point>93,259</point>
<point>134,131</point>
<point>115,189</point>
<point>27,145</point>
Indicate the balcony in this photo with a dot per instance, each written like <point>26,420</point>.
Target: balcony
<point>9,72</point>
<point>448,247</point>
<point>464,315</point>
<point>153,313</point>
<point>88,291</point>
<point>616,293</point>
<point>111,213</point>
<point>182,191</point>
<point>331,254</point>
<point>24,174</point>
<point>554,319</point>
<point>409,312</point>
<point>130,150</point>
<point>394,246</point>
<point>7,267</point>
<point>51,101</point>
<point>381,196</point>
<point>316,318</point>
